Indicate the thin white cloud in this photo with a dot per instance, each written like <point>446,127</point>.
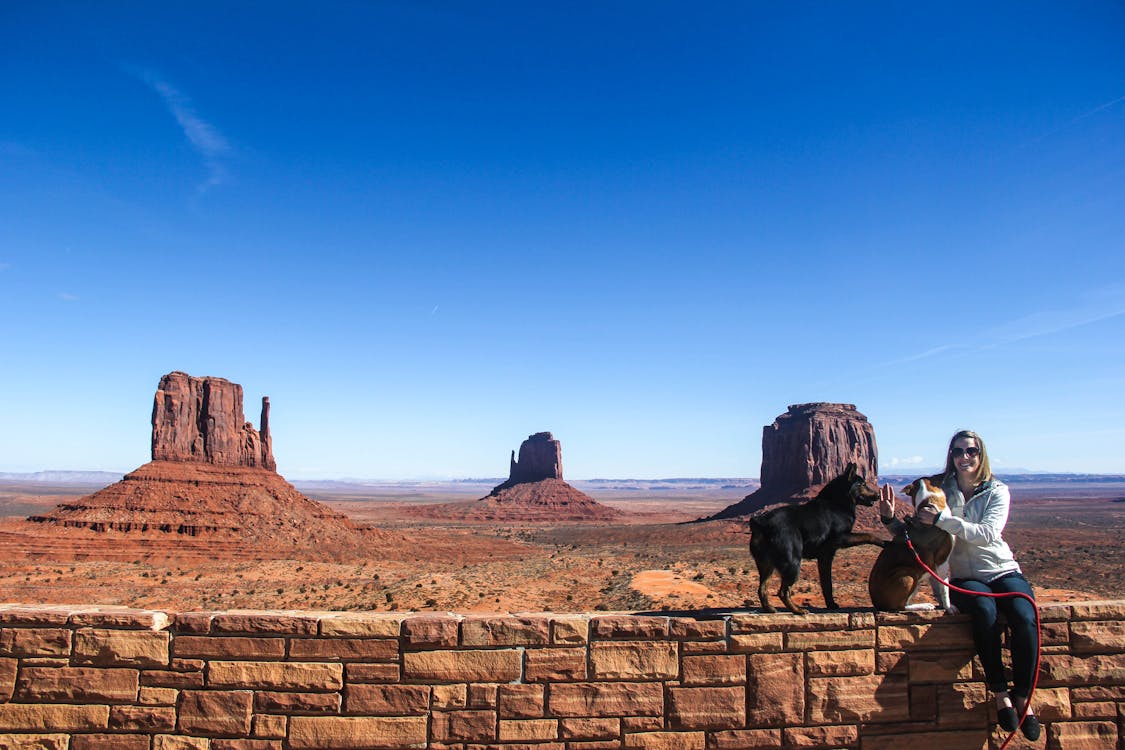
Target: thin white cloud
<point>68,297</point>
<point>204,137</point>
<point>895,463</point>
<point>1098,304</point>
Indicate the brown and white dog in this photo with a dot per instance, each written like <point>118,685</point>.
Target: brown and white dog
<point>896,574</point>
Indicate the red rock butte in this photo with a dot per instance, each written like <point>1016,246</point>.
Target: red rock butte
<point>804,449</point>
<point>211,475</point>
<point>534,491</point>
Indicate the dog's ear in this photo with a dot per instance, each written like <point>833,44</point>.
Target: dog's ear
<point>851,471</point>
<point>910,489</point>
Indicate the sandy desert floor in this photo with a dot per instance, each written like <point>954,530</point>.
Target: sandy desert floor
<point>1067,539</point>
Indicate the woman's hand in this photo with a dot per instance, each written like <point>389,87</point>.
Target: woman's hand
<point>886,501</point>
<point>927,514</point>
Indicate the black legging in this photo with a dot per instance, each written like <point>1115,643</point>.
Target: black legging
<point>1020,615</point>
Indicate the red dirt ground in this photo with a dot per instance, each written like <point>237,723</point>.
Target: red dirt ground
<point>1067,540</point>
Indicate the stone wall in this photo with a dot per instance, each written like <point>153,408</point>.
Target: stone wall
<point>105,679</point>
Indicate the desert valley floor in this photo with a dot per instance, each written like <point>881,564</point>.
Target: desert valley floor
<point>1067,535</point>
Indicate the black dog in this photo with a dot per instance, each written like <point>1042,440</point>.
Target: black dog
<point>781,537</point>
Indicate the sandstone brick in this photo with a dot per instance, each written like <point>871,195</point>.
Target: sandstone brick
<point>462,666</point>
<point>8,671</point>
<point>175,742</point>
<point>1104,710</point>
<point>187,665</point>
<point>36,742</point>
<point>923,702</point>
<point>192,622</point>
<point>840,663</point>
<point>521,702</point>
<point>1053,704</point>
<point>1055,634</point>
<point>35,642</point>
<point>165,678</point>
<point>269,726</point>
<point>833,736</point>
<point>1060,669</point>
<point>156,696</point>
<point>1097,637</point>
<point>318,704</point>
<point>554,664</point>
<point>633,724</point>
<point>430,631</point>
<point>785,623</point>
<point>216,713</point>
<point>34,616</point>
<point>259,623</point>
<point>107,742</point>
<point>1114,611</point>
<point>892,662</point>
<point>702,648</point>
<point>635,660</point>
<point>666,741</point>
<point>371,672</point>
<point>228,647</point>
<point>388,700</point>
<point>861,620</point>
<point>969,739</point>
<point>570,630</point>
<point>714,670</point>
<point>940,666</point>
<point>142,718</point>
<point>528,730</point>
<point>344,649</point>
<point>1083,735</point>
<point>588,745</point>
<point>629,627</point>
<point>605,699</point>
<point>348,625</point>
<point>505,631</point>
<point>690,629</point>
<point>900,637</point>
<point>141,619</point>
<point>847,700</point>
<point>77,685</point>
<point>829,639</point>
<point>707,707</point>
<point>464,726</point>
<point>49,718</point>
<point>222,744</point>
<point>481,696</point>
<point>311,676</point>
<point>129,648</point>
<point>446,697</point>
<point>1098,693</point>
<point>589,729</point>
<point>775,688</point>
<point>745,739</point>
<point>962,704</point>
<point>757,643</point>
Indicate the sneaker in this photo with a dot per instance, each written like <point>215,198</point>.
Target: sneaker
<point>1031,727</point>
<point>1008,719</point>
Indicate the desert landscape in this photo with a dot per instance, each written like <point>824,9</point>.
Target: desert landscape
<point>209,523</point>
<point>1065,531</point>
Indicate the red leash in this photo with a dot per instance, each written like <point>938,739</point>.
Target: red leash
<point>1020,594</point>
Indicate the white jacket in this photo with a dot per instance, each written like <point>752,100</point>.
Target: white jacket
<point>979,552</point>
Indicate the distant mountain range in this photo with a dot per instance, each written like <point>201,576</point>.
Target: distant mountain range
<point>674,483</point>
<point>63,477</point>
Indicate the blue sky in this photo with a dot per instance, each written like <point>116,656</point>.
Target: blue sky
<point>428,230</point>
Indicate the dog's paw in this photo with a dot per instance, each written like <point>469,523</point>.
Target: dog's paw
<point>952,609</point>
<point>920,607</point>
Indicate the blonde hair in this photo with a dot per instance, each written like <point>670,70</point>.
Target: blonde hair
<point>984,468</point>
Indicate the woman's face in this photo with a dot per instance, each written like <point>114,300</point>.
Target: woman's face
<point>966,455</point>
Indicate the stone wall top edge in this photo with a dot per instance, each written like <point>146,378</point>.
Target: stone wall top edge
<point>127,617</point>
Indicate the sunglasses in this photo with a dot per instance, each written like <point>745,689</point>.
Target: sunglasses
<point>972,452</point>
